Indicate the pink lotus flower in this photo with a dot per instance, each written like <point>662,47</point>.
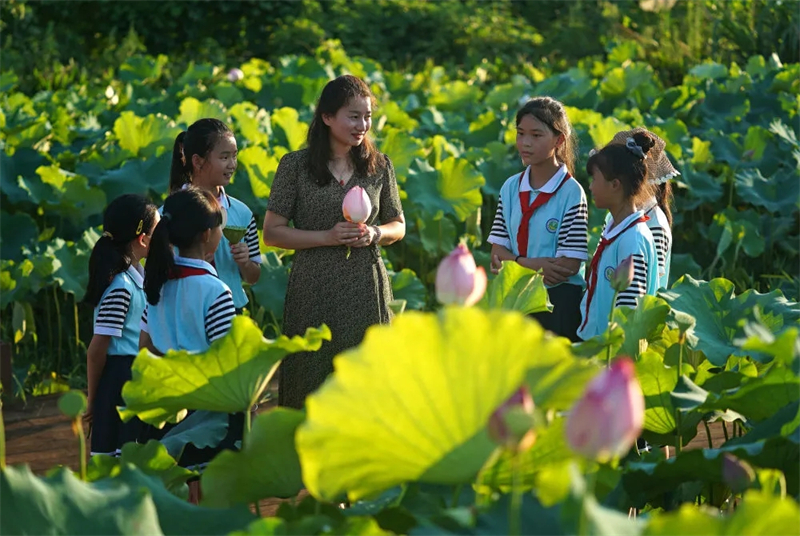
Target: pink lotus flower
<point>235,74</point>
<point>459,280</point>
<point>623,275</point>
<point>511,425</point>
<point>608,418</point>
<point>356,206</point>
<point>736,473</point>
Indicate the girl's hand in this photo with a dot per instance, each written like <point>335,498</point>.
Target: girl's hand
<point>554,273</point>
<point>241,253</point>
<point>368,237</point>
<point>496,264</point>
<point>346,234</point>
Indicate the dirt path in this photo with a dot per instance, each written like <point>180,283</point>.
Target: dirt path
<point>40,436</point>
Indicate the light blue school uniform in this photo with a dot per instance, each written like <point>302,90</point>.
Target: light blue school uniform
<point>237,214</point>
<point>628,238</point>
<point>559,228</point>
<point>662,239</point>
<point>120,308</point>
<point>192,312</point>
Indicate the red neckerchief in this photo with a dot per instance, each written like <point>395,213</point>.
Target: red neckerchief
<point>591,284</point>
<point>528,209</point>
<point>181,271</point>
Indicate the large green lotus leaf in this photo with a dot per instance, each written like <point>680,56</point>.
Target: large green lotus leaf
<point>784,348</point>
<point>721,314</point>
<point>228,377</point>
<point>437,233</point>
<point>407,286</point>
<point>499,163</point>
<point>397,118</point>
<point>456,95</point>
<point>251,122</point>
<point>454,188</point>
<point>62,504</point>
<point>175,515</point>
<point>71,262</point>
<point>517,288</point>
<point>756,398</point>
<point>142,136</point>
<point>203,429</point>
<point>137,177</point>
<point>64,193</point>
<point>657,381</point>
<point>192,110</point>
<point>644,481</point>
<point>646,322</point>
<point>25,232</point>
<point>151,458</point>
<point>598,345</point>
<point>23,163</point>
<point>267,465</point>
<point>486,128</point>
<point>778,193</point>
<point>270,290</point>
<point>741,228</point>
<point>260,168</point>
<point>413,400</point>
<point>402,149</point>
<point>286,121</point>
<point>759,514</point>
<point>702,187</point>
<point>557,380</point>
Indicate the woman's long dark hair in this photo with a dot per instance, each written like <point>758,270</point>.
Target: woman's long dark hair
<point>552,114</point>
<point>336,94</point>
<point>664,198</point>
<point>125,219</point>
<point>187,213</point>
<point>617,161</point>
<point>199,139</point>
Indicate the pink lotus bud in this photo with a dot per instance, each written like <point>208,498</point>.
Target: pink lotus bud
<point>356,206</point>
<point>608,418</point>
<point>511,425</point>
<point>234,75</point>
<point>736,473</point>
<point>623,275</point>
<point>459,280</point>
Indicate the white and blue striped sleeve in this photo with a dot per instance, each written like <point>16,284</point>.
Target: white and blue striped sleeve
<point>112,312</point>
<point>251,239</point>
<point>143,322</point>
<point>661,242</point>
<point>630,296</point>
<point>573,235</point>
<point>219,316</point>
<point>499,233</point>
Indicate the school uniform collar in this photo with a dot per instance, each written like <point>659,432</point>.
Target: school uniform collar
<point>136,272</point>
<point>223,198</point>
<point>649,205</point>
<point>621,225</point>
<point>195,263</point>
<point>549,187</point>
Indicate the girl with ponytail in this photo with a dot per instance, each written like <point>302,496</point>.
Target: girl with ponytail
<point>188,305</point>
<point>116,291</point>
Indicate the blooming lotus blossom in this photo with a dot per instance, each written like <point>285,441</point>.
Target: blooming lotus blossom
<point>235,74</point>
<point>608,418</point>
<point>511,425</point>
<point>458,279</point>
<point>623,275</point>
<point>356,206</point>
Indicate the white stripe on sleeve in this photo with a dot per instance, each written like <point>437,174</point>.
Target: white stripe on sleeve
<point>143,322</point>
<point>251,239</point>
<point>499,233</point>
<point>219,316</point>
<point>573,237</point>
<point>112,312</point>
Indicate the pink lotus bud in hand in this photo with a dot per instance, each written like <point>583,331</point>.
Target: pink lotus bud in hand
<point>235,74</point>
<point>608,418</point>
<point>459,280</point>
<point>511,425</point>
<point>623,275</point>
<point>356,206</point>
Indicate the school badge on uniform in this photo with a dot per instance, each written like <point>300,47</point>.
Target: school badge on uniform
<point>552,225</point>
<point>609,273</point>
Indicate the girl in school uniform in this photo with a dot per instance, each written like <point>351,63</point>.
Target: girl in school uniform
<point>619,184</point>
<point>116,290</point>
<point>188,305</point>
<point>205,156</point>
<point>657,207</point>
<point>542,217</point>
